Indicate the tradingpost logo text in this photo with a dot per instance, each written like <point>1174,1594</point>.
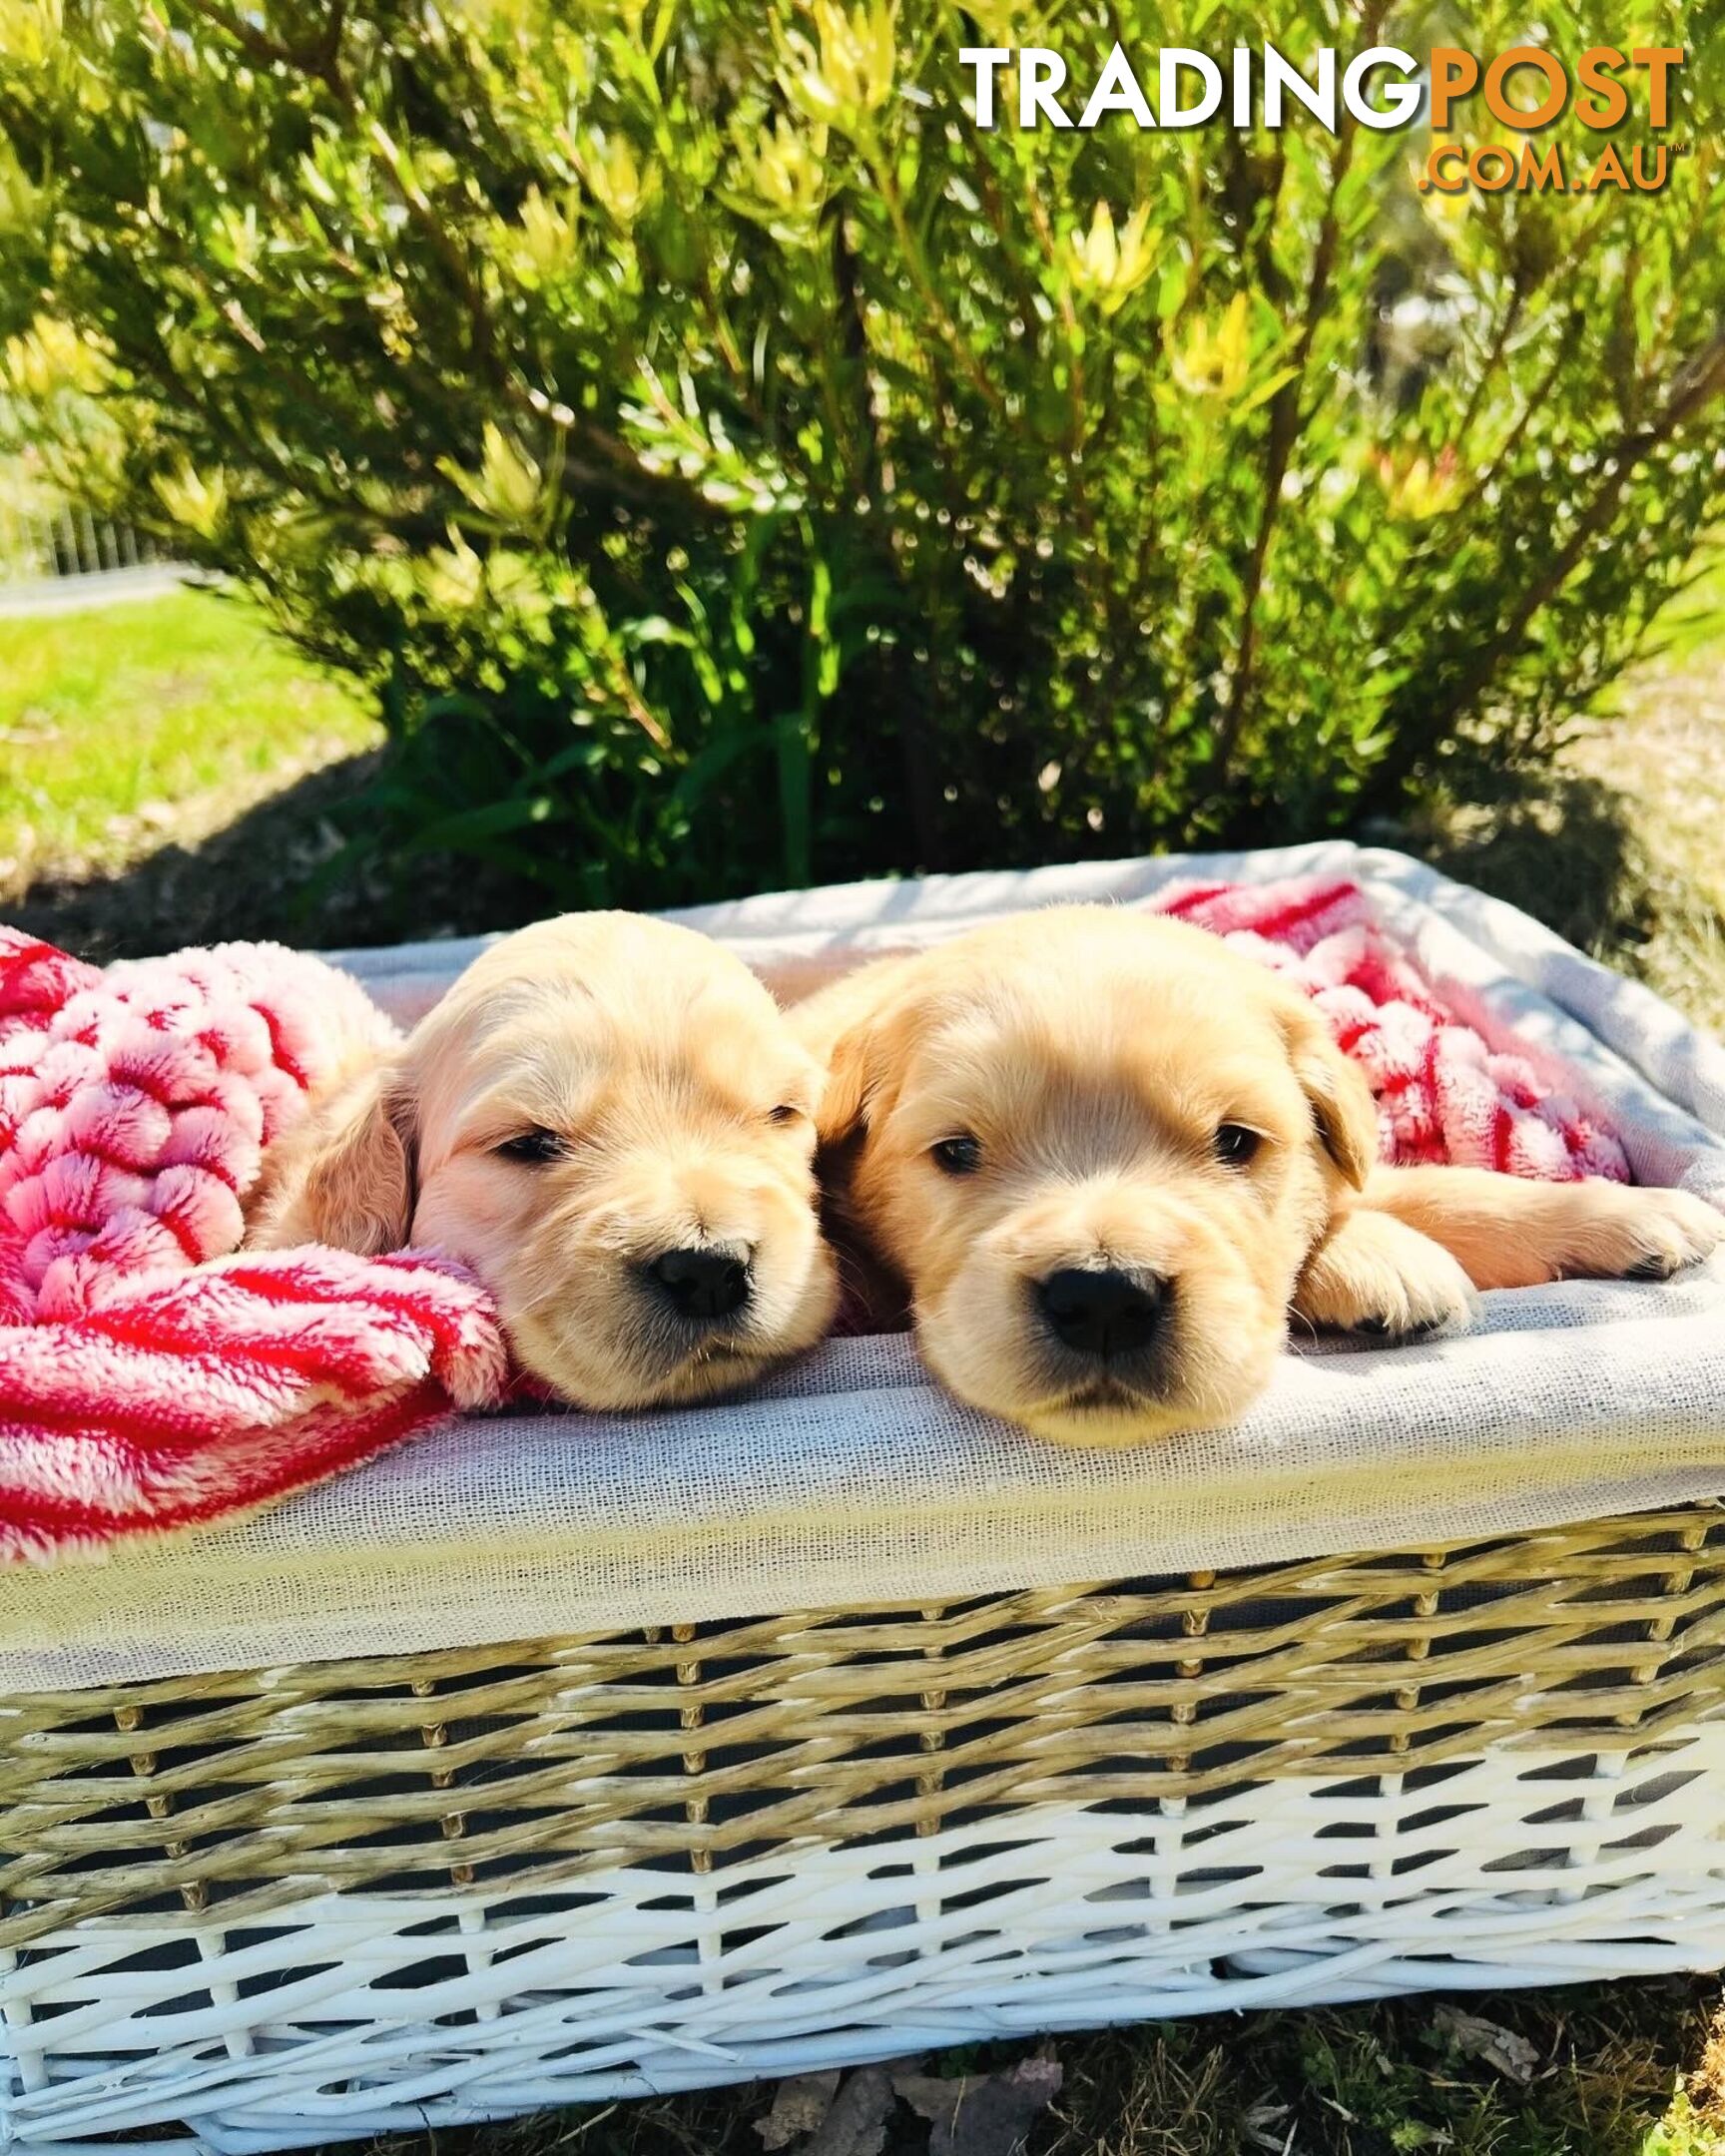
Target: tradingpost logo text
<point>1523,92</point>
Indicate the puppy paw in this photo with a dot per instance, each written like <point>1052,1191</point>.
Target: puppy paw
<point>1372,1275</point>
<point>1638,1235</point>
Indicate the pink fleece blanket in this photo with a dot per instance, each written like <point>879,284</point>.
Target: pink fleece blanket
<point>1443,1095</point>
<point>150,1379</point>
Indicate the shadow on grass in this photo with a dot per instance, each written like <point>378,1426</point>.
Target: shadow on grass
<point>1558,845</point>
<point>276,872</point>
<point>1607,2071</point>
<point>1593,864</point>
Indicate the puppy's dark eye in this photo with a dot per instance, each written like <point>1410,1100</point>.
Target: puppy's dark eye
<point>958,1156</point>
<point>784,1113</point>
<point>532,1148</point>
<point>1235,1145</point>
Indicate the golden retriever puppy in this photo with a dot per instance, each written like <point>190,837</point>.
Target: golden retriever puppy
<point>1108,1156</point>
<point>608,1119</point>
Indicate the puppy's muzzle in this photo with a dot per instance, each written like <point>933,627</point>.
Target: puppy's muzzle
<point>1106,1313</point>
<point>701,1287</point>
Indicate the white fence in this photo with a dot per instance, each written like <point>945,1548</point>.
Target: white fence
<point>68,541</point>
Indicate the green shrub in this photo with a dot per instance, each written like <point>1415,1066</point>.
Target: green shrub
<point>732,467</point>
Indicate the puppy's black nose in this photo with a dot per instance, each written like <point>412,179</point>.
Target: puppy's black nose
<point>1103,1314</point>
<point>701,1282</point>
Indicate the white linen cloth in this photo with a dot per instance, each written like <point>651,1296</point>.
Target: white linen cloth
<point>851,1479</point>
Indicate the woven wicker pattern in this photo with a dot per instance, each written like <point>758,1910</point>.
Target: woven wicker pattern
<point>693,1751</point>
<point>337,1900</point>
<point>360,2013</point>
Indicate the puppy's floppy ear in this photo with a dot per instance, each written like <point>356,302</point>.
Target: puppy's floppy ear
<point>855,1030</point>
<point>350,1180</point>
<point>1341,1103</point>
<point>852,1080</point>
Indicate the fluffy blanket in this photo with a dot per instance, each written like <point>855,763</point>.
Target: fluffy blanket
<point>1443,1095</point>
<point>149,1379</point>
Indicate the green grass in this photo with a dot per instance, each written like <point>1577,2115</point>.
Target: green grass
<point>128,724</point>
<point>1605,2071</point>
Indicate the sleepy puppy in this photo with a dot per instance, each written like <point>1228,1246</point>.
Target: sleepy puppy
<point>1108,1156</point>
<point>609,1120</point>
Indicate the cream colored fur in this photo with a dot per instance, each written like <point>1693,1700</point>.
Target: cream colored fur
<point>1093,1055</point>
<point>680,1112</point>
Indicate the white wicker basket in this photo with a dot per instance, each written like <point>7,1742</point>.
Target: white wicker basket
<point>468,1784</point>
